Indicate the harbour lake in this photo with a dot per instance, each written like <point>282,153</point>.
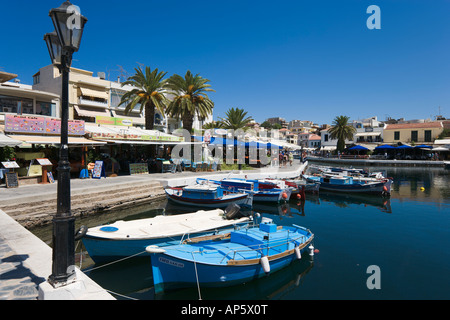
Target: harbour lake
<point>406,237</point>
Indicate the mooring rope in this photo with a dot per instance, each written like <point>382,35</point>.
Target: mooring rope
<point>116,261</point>
<point>196,277</point>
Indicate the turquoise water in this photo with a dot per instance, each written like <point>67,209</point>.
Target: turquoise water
<point>407,237</point>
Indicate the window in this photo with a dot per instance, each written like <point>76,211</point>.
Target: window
<point>414,136</point>
<point>45,109</point>
<point>396,135</point>
<point>16,105</point>
<point>427,135</point>
<point>325,138</point>
<point>37,78</point>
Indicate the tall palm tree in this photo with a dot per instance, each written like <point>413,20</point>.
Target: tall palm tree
<point>148,93</point>
<point>341,131</point>
<point>190,98</point>
<point>236,119</point>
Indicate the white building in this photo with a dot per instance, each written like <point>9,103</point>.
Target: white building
<point>368,131</point>
<point>21,99</point>
<point>95,99</point>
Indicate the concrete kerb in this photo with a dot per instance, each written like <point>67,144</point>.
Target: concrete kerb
<point>34,262</point>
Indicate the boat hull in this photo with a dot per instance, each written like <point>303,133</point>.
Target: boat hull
<point>105,250</point>
<point>382,187</point>
<point>272,195</point>
<point>239,199</point>
<point>171,273</point>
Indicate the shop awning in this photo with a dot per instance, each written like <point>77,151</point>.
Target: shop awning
<point>55,140</point>
<point>328,148</point>
<point>368,134</point>
<point>143,142</point>
<point>85,92</point>
<point>131,135</point>
<point>6,141</point>
<point>138,119</point>
<point>86,112</point>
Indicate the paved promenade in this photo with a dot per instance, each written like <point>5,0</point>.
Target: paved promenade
<point>25,261</point>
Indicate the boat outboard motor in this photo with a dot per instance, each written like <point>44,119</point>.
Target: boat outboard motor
<point>232,211</point>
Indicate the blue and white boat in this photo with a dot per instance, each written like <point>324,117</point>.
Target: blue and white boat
<point>208,195</point>
<point>341,183</point>
<point>129,238</point>
<point>275,193</point>
<point>247,254</point>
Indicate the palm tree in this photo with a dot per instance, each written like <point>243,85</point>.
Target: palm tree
<point>341,131</point>
<point>236,119</point>
<point>213,125</point>
<point>190,98</point>
<point>148,93</point>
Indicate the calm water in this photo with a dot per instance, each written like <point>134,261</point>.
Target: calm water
<point>406,236</point>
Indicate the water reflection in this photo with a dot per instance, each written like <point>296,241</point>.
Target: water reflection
<point>346,200</point>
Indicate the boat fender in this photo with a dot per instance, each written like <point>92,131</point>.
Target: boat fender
<point>385,189</point>
<point>80,233</point>
<point>298,254</point>
<point>284,195</point>
<point>154,249</point>
<point>311,250</point>
<point>265,264</point>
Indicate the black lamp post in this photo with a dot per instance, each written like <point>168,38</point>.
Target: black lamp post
<point>69,25</point>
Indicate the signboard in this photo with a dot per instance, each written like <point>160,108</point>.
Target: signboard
<point>50,177</point>
<point>44,162</point>
<point>41,125</point>
<point>99,170</point>
<point>138,168</point>
<point>12,180</point>
<point>113,121</point>
<point>10,165</point>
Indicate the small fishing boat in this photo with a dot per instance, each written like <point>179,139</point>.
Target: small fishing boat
<point>208,195</point>
<point>310,187</point>
<point>262,190</point>
<point>246,254</point>
<point>298,187</point>
<point>341,183</point>
<point>127,238</point>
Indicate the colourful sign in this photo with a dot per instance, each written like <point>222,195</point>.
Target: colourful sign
<point>30,124</point>
<point>113,121</point>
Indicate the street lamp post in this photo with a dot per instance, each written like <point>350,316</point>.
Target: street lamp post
<point>69,26</point>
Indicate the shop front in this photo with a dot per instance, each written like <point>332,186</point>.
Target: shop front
<point>38,143</point>
<point>134,150</point>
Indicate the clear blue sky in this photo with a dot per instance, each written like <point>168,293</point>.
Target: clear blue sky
<point>307,60</point>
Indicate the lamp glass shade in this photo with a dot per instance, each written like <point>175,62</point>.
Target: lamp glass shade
<point>54,47</point>
<point>69,25</point>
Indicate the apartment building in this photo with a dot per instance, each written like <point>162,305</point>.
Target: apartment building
<point>420,132</point>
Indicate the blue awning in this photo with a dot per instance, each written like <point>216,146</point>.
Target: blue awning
<point>385,146</point>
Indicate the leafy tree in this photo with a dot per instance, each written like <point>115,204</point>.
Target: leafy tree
<point>341,131</point>
<point>149,93</point>
<point>266,124</point>
<point>190,98</point>
<point>236,119</point>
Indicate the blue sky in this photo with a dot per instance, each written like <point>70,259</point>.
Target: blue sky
<point>307,60</point>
